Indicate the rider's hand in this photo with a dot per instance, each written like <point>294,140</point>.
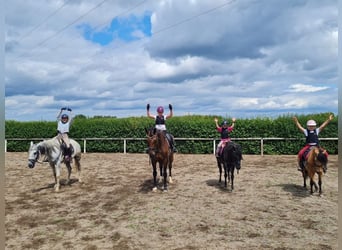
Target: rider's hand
<point>148,106</point>
<point>170,106</point>
<point>64,108</point>
<point>69,109</point>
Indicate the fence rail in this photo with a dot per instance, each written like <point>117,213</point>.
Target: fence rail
<point>214,140</point>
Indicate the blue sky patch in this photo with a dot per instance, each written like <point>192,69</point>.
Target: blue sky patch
<point>126,29</point>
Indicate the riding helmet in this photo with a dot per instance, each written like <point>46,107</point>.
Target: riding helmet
<point>224,123</point>
<point>160,109</point>
<point>311,123</point>
<point>65,116</point>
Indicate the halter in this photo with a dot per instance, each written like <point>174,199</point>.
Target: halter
<point>36,159</point>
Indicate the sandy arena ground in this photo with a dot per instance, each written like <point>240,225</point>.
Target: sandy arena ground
<point>115,208</point>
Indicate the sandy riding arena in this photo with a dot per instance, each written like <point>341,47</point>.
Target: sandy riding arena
<point>114,207</point>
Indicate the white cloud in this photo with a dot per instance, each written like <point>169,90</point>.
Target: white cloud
<point>205,57</point>
<point>300,88</point>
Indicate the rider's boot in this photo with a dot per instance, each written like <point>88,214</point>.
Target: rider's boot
<point>67,156</point>
<point>300,165</point>
<point>173,147</point>
<point>218,152</point>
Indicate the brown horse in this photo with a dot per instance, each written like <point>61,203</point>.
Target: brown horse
<point>160,152</point>
<point>315,163</point>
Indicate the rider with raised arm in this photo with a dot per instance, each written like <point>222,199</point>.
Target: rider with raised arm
<point>224,130</point>
<point>64,122</point>
<point>311,134</point>
<point>160,124</point>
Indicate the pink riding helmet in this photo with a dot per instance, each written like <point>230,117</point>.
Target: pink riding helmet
<point>160,109</point>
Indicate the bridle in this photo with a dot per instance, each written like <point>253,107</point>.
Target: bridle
<point>152,149</point>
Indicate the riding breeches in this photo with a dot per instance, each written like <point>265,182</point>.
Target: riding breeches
<point>65,138</point>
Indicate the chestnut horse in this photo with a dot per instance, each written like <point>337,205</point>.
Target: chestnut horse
<point>159,152</point>
<point>315,163</point>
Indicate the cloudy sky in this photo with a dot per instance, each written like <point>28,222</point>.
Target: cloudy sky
<point>242,58</point>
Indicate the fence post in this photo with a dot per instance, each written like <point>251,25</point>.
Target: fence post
<point>84,145</point>
<point>262,146</point>
<point>125,144</point>
<point>5,146</point>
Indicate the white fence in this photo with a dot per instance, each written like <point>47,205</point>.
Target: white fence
<point>214,140</point>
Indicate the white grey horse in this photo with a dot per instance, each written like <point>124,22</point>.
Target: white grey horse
<point>52,149</point>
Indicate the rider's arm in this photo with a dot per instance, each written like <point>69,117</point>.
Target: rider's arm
<point>59,114</point>
<point>326,123</point>
<point>233,124</point>
<point>171,112</point>
<point>298,124</point>
<point>169,115</point>
<point>148,112</point>
<point>149,115</point>
<point>216,123</point>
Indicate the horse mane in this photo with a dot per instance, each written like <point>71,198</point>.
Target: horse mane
<point>319,154</point>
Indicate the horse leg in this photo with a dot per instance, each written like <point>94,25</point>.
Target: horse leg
<point>313,184</point>
<point>78,167</point>
<point>320,182</point>
<point>220,168</point>
<point>53,172</point>
<point>58,173</point>
<point>68,165</point>
<point>225,174</point>
<point>165,175</point>
<point>161,170</point>
<point>232,178</point>
<point>304,173</point>
<point>170,174</point>
<point>154,172</point>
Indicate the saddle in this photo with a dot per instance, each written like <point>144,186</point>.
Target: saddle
<point>305,154</point>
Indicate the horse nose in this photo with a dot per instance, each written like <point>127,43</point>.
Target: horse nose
<point>30,164</point>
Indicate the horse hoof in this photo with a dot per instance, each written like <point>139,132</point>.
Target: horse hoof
<point>170,180</point>
<point>154,189</point>
<point>165,190</point>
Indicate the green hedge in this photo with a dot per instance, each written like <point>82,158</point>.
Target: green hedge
<point>193,126</point>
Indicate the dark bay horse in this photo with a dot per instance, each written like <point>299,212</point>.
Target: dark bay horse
<point>159,152</point>
<point>230,158</point>
<point>53,151</point>
<point>315,163</point>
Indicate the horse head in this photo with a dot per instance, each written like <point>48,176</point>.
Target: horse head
<point>234,154</point>
<point>34,153</point>
<point>321,156</point>
<point>151,141</point>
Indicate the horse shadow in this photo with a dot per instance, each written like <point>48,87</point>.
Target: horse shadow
<point>220,186</point>
<point>295,189</point>
<point>146,186</point>
<point>52,185</point>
